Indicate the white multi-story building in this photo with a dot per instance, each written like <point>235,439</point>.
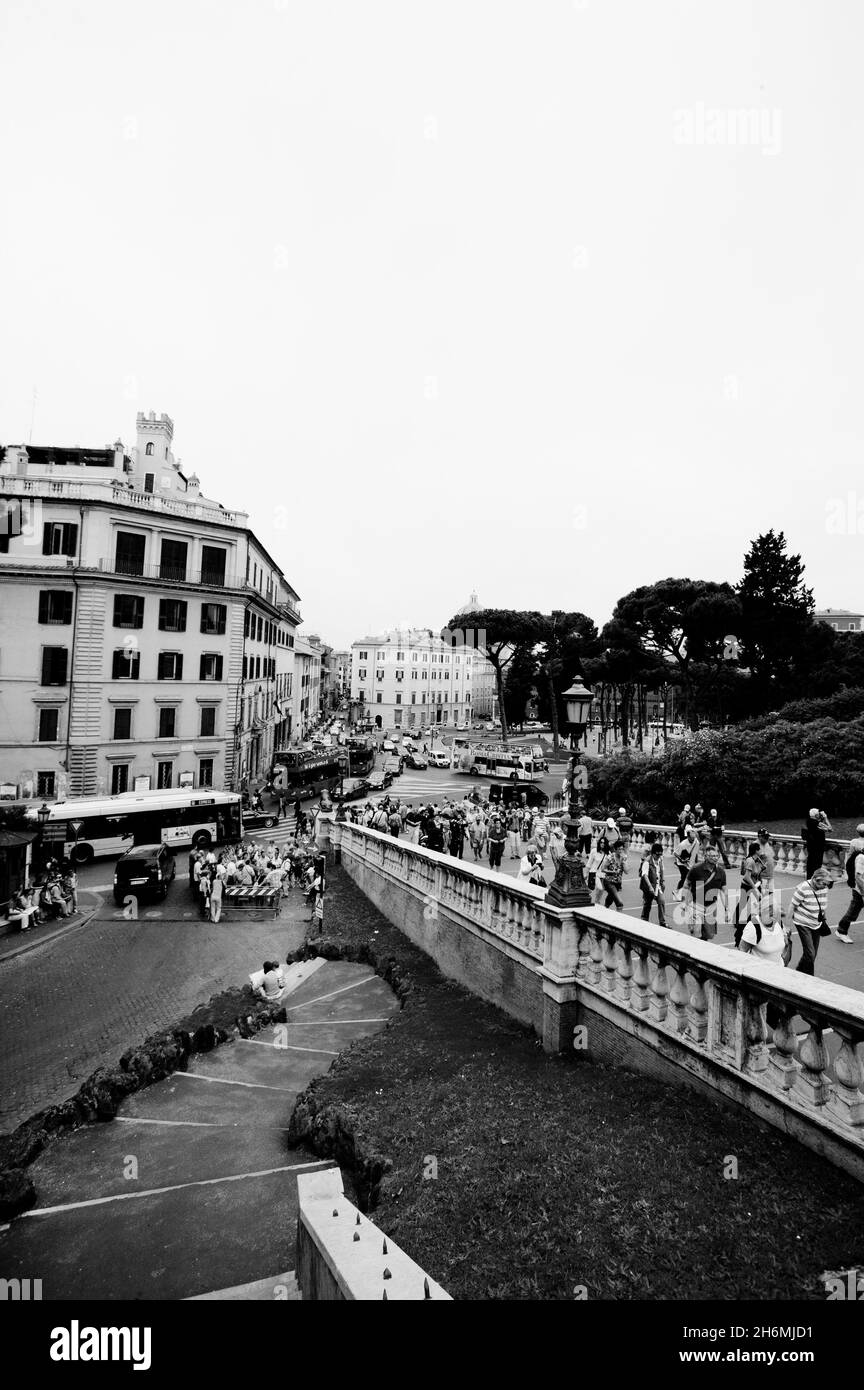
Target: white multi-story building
<point>412,679</point>
<point>307,687</point>
<point>146,635</point>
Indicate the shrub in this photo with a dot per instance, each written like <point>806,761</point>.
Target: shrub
<point>772,771</point>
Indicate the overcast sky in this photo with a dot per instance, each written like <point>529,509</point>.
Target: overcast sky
<point>452,294</point>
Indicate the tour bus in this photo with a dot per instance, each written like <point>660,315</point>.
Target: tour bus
<point>361,755</point>
<point>305,772</point>
<point>91,826</point>
<point>494,762</point>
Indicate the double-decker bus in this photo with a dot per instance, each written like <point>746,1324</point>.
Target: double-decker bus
<point>306,772</point>
<point>497,762</point>
<point>91,826</point>
<point>361,755</point>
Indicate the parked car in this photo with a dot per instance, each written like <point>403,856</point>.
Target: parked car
<point>259,820</point>
<point>144,871</point>
<point>418,761</point>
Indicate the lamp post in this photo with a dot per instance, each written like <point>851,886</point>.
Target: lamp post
<point>568,888</point>
<point>43,813</point>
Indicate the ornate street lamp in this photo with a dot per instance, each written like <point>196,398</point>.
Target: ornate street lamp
<point>43,813</point>
<point>568,888</point>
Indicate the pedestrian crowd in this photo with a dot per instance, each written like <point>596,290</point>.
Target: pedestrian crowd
<point>55,896</point>
<point>260,868</point>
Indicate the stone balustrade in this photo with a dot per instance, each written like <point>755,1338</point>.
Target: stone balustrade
<point>513,912</point>
<point>786,1046</point>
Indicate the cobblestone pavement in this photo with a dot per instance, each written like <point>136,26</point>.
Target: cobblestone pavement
<point>78,1001</point>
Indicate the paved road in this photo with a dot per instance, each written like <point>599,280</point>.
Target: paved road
<point>80,999</point>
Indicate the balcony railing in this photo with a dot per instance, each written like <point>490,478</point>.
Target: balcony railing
<point>168,574</point>
<point>117,494</point>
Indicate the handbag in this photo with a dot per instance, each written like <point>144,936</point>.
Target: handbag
<point>823,929</point>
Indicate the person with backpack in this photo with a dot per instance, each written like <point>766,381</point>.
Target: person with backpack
<point>767,944</point>
<point>380,820</point>
<point>394,823</point>
<point>855,880</point>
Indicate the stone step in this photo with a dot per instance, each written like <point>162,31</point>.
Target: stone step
<point>281,1288</point>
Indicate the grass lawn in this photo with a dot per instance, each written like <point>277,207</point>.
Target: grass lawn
<point>514,1175</point>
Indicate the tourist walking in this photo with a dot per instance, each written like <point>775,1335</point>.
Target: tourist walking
<point>477,835</point>
<point>611,875</point>
<point>855,880</point>
<point>586,833</point>
<point>457,837</point>
<point>686,857</point>
<point>496,835</point>
<point>814,832</point>
<point>514,825</point>
<point>652,882</point>
<point>749,903</point>
<point>766,854</point>
<point>715,834</point>
<point>769,944</point>
<point>807,915</point>
<point>216,896</point>
<point>625,829</point>
<point>710,877</point>
<point>685,819</point>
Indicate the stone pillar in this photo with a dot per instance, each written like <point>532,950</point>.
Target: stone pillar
<point>560,1014</point>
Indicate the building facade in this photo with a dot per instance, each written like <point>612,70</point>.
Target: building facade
<point>146,635</point>
<point>307,688</point>
<point>412,679</point>
<point>840,619</point>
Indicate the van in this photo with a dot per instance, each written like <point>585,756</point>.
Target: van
<point>145,871</point>
<point>439,758</point>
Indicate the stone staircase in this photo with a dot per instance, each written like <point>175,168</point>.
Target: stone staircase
<point>191,1191</point>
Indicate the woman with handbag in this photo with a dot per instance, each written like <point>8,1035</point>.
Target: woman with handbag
<point>807,915</point>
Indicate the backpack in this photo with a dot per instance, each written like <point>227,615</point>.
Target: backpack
<point>850,867</point>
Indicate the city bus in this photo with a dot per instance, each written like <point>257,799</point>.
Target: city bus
<point>89,827</point>
<point>497,762</point>
<point>305,772</point>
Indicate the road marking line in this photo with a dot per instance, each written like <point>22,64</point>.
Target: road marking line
<point>284,1047</point>
<point>333,993</point>
<point>226,1081</point>
<point>329,1022</point>
<point>194,1124</point>
<point>176,1187</point>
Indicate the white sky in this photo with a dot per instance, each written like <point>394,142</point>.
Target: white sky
<point>442,279</point>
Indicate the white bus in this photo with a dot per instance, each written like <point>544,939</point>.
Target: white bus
<point>91,826</point>
<point>497,762</point>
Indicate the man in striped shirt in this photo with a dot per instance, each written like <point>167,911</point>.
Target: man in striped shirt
<point>807,914</point>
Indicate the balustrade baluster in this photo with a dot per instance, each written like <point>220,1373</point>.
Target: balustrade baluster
<point>679,998</point>
<point>697,1015</point>
<point>625,972</point>
<point>595,964</point>
<point>641,987</point>
<point>785,1047</point>
<point>657,1002</point>
<point>583,962</point>
<point>847,1099</point>
<point>610,964</point>
<point>755,1056</point>
<point>812,1085</point>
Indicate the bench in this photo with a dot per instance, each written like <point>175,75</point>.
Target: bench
<point>243,896</point>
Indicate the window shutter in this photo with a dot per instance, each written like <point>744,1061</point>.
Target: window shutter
<point>115,665</point>
<point>178,667</point>
<point>44,606</point>
<point>219,668</point>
